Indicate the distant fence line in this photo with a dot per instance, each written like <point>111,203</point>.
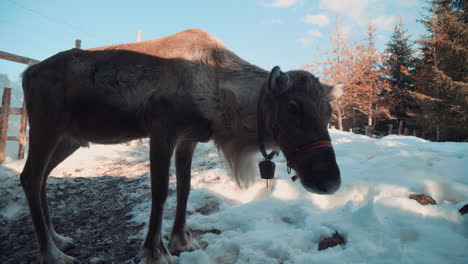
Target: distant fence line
<point>6,111</point>
<point>402,131</point>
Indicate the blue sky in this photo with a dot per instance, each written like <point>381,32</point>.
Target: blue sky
<point>264,32</point>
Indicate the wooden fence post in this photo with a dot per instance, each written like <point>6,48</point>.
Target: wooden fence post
<point>369,131</point>
<point>4,113</point>
<point>78,43</point>
<point>138,37</point>
<point>22,133</point>
<point>400,127</point>
<point>390,129</point>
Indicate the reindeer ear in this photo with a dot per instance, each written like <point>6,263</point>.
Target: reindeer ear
<point>332,91</point>
<point>278,81</point>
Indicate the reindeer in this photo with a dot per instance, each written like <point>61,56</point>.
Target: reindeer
<point>177,90</point>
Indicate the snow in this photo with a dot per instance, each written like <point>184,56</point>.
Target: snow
<point>285,223</point>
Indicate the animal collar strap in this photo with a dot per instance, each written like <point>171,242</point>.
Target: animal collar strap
<point>267,167</point>
<point>294,151</point>
<point>315,145</point>
<point>318,144</point>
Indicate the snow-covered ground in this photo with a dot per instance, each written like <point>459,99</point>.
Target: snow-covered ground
<point>284,223</point>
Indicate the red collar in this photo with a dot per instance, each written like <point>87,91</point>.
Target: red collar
<point>318,144</point>
<point>315,145</point>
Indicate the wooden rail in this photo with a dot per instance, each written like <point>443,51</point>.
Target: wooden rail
<point>5,112</point>
<point>17,58</point>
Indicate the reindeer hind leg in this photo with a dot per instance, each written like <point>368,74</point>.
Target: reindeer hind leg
<point>42,145</point>
<point>64,149</point>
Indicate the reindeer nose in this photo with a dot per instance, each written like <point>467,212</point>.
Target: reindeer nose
<point>319,172</point>
<point>322,187</point>
<point>329,187</point>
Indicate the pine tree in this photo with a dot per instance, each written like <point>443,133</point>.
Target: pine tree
<point>441,85</point>
<point>400,59</point>
<point>399,66</point>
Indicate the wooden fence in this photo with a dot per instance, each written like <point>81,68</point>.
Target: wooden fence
<point>402,131</point>
<point>17,58</point>
<point>5,112</point>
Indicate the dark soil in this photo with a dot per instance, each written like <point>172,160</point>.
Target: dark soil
<point>93,211</point>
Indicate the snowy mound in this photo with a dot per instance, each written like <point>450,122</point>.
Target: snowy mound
<point>284,223</point>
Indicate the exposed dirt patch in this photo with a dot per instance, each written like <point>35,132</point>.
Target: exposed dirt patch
<point>92,210</point>
<point>90,201</point>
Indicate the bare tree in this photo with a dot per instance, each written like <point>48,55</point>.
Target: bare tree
<point>334,65</point>
<point>367,83</point>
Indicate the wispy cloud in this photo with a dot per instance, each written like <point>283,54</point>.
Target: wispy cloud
<point>305,42</point>
<point>361,12</point>
<point>308,37</point>
<point>354,9</point>
<point>385,22</point>
<point>317,19</point>
<point>281,3</point>
<point>314,33</point>
<point>346,31</point>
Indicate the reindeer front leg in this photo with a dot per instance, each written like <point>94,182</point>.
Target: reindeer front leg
<point>162,143</point>
<point>181,239</point>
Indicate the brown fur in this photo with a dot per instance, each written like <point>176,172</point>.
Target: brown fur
<point>229,103</point>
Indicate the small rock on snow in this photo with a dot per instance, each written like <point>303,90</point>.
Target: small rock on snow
<point>422,199</point>
<point>335,240</point>
<point>464,209</point>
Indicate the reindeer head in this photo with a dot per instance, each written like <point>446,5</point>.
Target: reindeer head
<point>296,106</point>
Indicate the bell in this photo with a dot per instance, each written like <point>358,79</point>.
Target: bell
<point>267,169</point>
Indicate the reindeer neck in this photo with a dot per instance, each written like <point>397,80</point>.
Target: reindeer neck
<point>239,87</point>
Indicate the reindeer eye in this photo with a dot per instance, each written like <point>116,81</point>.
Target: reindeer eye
<point>293,107</point>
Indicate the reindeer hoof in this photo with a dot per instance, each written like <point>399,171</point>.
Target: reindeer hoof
<point>160,255</point>
<point>183,242</point>
<point>63,242</point>
<point>57,257</point>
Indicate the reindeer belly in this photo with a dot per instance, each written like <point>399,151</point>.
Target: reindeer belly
<point>103,121</point>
